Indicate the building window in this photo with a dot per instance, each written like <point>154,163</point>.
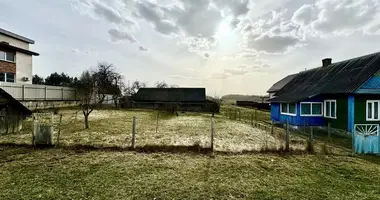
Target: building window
<point>7,56</point>
<point>288,109</point>
<point>330,109</point>
<point>7,77</point>
<point>372,112</point>
<point>311,109</point>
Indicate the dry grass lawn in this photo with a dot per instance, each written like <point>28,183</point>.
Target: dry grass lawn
<point>113,128</point>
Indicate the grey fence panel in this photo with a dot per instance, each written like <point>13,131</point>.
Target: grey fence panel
<point>38,92</point>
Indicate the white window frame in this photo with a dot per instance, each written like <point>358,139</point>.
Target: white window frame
<point>373,110</point>
<point>5,77</point>
<point>325,108</point>
<point>287,113</point>
<point>311,109</point>
<point>5,57</point>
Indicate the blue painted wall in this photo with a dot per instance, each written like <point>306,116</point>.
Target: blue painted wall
<point>351,113</point>
<point>371,86</point>
<point>275,112</point>
<point>297,120</point>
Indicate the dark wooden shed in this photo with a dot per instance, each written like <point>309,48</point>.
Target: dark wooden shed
<point>179,99</point>
<point>12,113</point>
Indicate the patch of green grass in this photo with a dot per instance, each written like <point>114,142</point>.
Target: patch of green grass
<point>66,174</point>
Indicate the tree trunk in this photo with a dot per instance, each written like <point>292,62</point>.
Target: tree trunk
<point>115,102</point>
<point>86,121</point>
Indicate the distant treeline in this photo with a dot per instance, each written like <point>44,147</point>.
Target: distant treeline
<point>238,97</point>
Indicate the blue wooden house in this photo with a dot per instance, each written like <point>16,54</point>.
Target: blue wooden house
<point>344,94</point>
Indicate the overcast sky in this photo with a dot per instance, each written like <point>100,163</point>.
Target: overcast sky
<point>227,46</point>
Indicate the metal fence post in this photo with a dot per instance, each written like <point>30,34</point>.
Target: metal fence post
<point>287,136</point>
<point>158,115</point>
<point>329,130</point>
<point>271,128</point>
<point>23,92</point>
<point>212,134</point>
<point>62,93</point>
<point>133,132</point>
<point>59,129</point>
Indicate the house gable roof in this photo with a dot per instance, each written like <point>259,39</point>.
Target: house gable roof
<point>281,83</point>
<point>15,103</point>
<point>14,48</point>
<point>16,36</point>
<point>170,94</point>
<point>337,78</point>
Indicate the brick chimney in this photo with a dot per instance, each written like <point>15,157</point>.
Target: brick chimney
<point>326,62</point>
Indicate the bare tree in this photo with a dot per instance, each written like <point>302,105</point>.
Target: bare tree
<point>107,81</point>
<point>132,90</point>
<point>116,88</point>
<point>86,94</point>
<point>217,102</point>
<point>161,84</point>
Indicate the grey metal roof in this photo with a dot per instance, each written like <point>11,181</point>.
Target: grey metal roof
<point>338,78</point>
<point>170,94</point>
<point>280,84</point>
<point>16,36</point>
<point>10,47</point>
<point>16,103</point>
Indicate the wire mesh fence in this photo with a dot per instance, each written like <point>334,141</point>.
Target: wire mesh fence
<point>233,131</point>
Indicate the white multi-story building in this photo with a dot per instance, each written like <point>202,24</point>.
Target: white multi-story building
<point>15,58</point>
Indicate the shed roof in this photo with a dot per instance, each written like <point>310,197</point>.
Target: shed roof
<point>16,36</point>
<point>15,103</point>
<point>170,94</point>
<point>337,78</point>
<point>281,83</point>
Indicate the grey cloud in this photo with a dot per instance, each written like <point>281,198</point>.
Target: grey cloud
<point>206,55</point>
<point>220,76</point>
<point>117,35</point>
<point>338,17</point>
<point>198,18</point>
<point>141,48</point>
<point>166,27</point>
<point>273,43</point>
<point>110,14</point>
<point>75,50</point>
<point>305,15</point>
<point>156,15</point>
<point>236,7</point>
<point>271,34</point>
<point>176,76</point>
<point>235,71</point>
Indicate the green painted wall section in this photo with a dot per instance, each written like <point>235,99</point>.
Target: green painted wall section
<point>341,120</point>
<point>360,108</point>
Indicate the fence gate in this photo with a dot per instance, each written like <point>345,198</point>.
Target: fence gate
<point>366,138</point>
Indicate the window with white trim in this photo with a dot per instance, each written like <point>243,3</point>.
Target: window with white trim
<point>288,109</point>
<point>7,77</point>
<point>7,56</point>
<point>311,108</point>
<point>372,110</point>
<point>330,109</point>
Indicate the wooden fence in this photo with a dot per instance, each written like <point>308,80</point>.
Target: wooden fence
<point>30,92</point>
